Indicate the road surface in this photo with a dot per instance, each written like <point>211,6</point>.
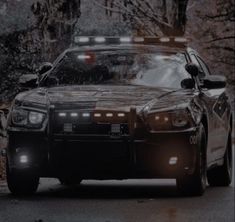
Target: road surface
<point>117,201</point>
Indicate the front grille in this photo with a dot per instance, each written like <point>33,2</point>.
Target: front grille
<point>82,122</point>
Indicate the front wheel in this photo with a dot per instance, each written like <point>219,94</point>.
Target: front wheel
<point>20,182</point>
<point>195,184</point>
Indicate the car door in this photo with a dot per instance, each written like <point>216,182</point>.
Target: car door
<point>215,101</point>
<point>220,119</point>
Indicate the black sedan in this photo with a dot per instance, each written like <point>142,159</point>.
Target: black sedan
<point>118,108</point>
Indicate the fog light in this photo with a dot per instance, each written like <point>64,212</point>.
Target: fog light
<point>173,160</point>
<point>23,159</point>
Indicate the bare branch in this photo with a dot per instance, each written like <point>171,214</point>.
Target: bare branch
<point>221,38</point>
<point>140,11</point>
<point>106,7</point>
<point>230,49</point>
<point>224,62</point>
<point>191,6</point>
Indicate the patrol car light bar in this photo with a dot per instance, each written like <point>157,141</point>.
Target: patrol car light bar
<point>91,40</point>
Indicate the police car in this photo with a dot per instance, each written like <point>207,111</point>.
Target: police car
<point>121,108</point>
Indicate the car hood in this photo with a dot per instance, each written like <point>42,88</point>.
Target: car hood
<point>103,97</point>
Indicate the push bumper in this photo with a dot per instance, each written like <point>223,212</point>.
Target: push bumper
<point>160,155</point>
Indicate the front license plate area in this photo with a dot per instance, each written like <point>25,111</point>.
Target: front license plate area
<point>91,157</point>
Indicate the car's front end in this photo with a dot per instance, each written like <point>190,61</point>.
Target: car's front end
<point>107,112</point>
<point>110,137</point>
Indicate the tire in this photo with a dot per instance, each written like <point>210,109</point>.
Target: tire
<point>70,181</point>
<point>21,183</point>
<point>222,175</point>
<point>195,184</point>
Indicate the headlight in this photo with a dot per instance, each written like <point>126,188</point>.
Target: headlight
<point>169,120</point>
<point>22,117</point>
<point>180,119</point>
<point>36,118</point>
<point>19,117</point>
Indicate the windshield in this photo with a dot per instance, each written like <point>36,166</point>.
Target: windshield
<point>121,67</point>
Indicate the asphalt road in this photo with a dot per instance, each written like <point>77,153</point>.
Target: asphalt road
<point>117,201</point>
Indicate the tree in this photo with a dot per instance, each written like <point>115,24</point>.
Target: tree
<point>150,17</point>
<point>21,51</point>
<point>56,20</point>
<point>212,30</point>
<point>222,37</point>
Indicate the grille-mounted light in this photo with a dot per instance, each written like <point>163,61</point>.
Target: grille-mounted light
<point>86,115</point>
<point>62,114</point>
<point>97,115</point>
<point>74,114</point>
<point>121,114</point>
<point>157,117</point>
<point>109,115</point>
<point>166,119</point>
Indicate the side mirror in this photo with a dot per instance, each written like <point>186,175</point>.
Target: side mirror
<point>214,82</point>
<point>28,81</point>
<point>45,67</point>
<point>192,69</point>
<point>51,81</point>
<point>188,83</point>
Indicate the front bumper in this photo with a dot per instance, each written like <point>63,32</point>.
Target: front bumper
<point>104,157</point>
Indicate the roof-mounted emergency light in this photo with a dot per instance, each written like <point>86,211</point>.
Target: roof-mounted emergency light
<point>125,39</point>
<point>165,40</point>
<point>100,39</point>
